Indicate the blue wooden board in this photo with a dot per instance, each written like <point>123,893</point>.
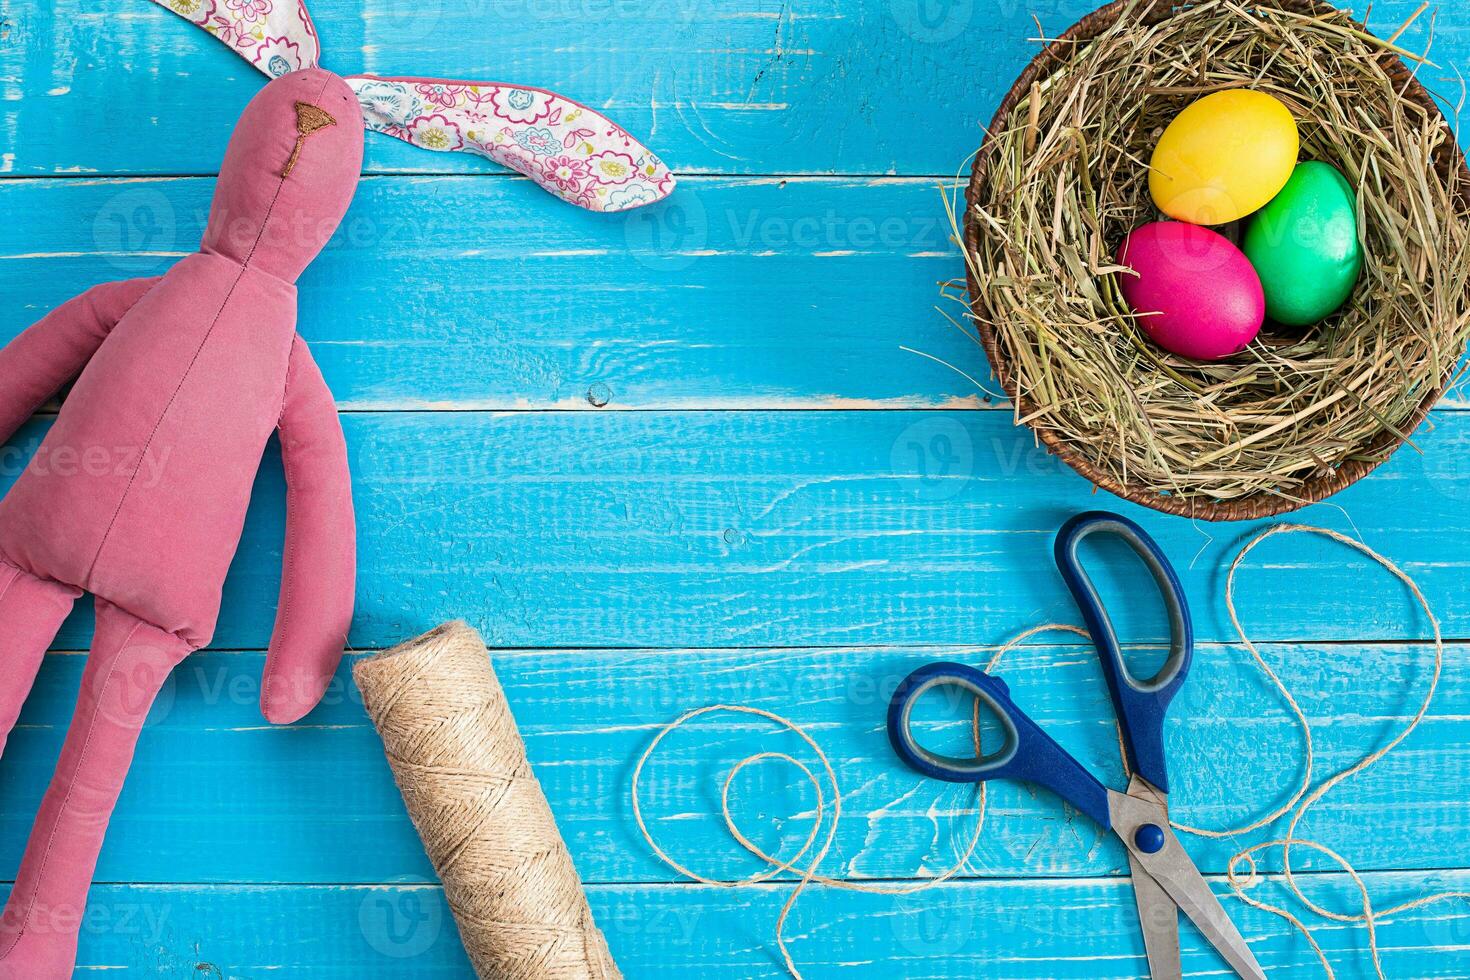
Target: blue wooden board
<point>648,310</point>
<point>741,86</point>
<point>678,457</point>
<point>1014,928</point>
<point>802,528</point>
<point>264,802</point>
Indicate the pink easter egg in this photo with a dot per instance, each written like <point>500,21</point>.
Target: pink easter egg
<point>1195,293</point>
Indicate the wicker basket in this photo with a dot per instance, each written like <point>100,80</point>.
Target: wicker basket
<point>1450,164</point>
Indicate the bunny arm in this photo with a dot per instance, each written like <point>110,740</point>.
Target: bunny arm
<point>319,571</point>
<point>55,349</point>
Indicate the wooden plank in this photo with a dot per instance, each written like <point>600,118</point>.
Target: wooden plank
<point>820,86</point>
<point>737,294</point>
<point>745,86</point>
<point>1048,930</point>
<point>649,529</point>
<point>316,803</point>
<point>413,306</point>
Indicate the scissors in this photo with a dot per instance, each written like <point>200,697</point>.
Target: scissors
<point>1165,880</point>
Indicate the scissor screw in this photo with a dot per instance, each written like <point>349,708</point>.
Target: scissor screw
<point>1149,838</point>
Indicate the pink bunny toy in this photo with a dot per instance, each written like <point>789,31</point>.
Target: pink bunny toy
<point>188,375</point>
<point>191,372</point>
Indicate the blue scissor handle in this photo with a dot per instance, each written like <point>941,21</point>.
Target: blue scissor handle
<point>1028,755</point>
<point>1141,705</point>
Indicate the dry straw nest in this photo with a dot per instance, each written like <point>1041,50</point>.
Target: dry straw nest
<point>1063,176</point>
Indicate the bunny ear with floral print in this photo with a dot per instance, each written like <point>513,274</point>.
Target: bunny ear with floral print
<point>572,151</point>
<point>575,153</point>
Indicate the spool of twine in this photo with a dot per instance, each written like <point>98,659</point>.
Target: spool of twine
<point>461,766</point>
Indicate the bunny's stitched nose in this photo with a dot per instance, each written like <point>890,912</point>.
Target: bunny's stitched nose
<point>309,119</point>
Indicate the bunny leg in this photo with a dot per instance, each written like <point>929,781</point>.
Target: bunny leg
<point>31,611</point>
<point>129,662</point>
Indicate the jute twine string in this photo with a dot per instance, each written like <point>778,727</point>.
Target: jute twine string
<point>461,766</point>
<point>1241,872</point>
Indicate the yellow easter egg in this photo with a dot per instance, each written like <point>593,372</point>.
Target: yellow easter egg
<point>1224,157</point>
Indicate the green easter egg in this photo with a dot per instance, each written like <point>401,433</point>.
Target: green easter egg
<point>1304,245</point>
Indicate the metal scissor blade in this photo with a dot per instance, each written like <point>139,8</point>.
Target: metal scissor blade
<point>1175,873</point>
<point>1189,890</point>
<point>1159,917</point>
